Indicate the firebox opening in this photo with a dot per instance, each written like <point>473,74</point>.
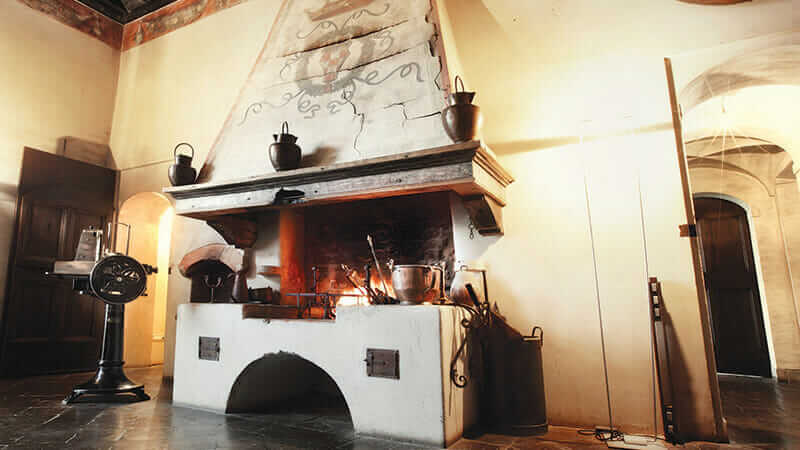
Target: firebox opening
<point>412,229</point>
<point>285,382</point>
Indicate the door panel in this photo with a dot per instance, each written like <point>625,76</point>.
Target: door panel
<point>47,326</point>
<point>41,233</point>
<point>740,343</point>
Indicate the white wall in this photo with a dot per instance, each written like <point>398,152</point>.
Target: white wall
<point>55,82</point>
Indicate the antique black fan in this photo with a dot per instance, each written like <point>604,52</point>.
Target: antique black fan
<point>116,279</point>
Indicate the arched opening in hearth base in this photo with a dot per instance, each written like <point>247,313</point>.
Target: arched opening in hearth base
<point>283,382</point>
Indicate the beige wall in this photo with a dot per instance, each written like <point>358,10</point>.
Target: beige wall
<point>549,74</point>
<point>580,245</point>
<point>787,196</point>
<point>546,73</point>
<point>54,82</point>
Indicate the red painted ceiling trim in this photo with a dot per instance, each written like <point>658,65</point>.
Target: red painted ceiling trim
<point>170,18</point>
<point>125,37</point>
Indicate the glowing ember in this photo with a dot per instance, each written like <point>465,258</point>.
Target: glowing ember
<point>352,297</point>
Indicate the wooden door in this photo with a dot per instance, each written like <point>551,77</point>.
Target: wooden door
<point>47,326</point>
<point>740,342</point>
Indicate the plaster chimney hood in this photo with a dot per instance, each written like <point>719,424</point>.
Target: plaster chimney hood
<point>469,169</point>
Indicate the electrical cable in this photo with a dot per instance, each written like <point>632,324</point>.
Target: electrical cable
<point>653,378</point>
<point>603,435</point>
<point>599,308</point>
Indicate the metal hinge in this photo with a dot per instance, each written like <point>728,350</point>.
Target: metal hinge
<point>688,230</point>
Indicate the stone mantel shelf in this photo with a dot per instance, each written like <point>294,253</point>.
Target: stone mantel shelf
<point>469,169</point>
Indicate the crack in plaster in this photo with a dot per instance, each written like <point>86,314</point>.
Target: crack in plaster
<point>402,106</point>
<point>321,46</point>
<point>348,99</point>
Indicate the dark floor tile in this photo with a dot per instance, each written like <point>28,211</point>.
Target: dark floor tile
<point>760,414</point>
<point>368,443</point>
<point>466,444</point>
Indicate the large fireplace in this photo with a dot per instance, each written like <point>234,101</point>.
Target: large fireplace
<point>393,364</point>
<point>360,84</point>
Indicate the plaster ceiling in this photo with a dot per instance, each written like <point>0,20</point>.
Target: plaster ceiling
<point>765,112</point>
<point>124,11</point>
<point>771,66</point>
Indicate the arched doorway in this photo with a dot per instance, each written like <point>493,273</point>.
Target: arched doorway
<point>731,277</point>
<point>150,216</point>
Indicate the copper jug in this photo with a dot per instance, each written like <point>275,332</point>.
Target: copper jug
<point>462,119</point>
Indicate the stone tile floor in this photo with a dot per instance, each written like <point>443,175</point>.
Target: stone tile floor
<point>32,416</point>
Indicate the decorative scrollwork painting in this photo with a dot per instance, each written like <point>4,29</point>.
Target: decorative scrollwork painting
<point>355,79</point>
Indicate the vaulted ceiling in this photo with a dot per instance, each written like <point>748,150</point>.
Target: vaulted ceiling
<point>124,11</point>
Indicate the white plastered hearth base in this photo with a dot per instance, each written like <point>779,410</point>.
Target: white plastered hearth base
<point>422,406</point>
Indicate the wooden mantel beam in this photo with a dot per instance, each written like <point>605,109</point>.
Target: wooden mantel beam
<point>468,168</point>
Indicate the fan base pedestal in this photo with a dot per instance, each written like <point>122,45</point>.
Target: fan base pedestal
<point>110,379</point>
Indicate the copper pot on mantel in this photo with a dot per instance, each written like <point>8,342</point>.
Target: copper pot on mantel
<point>462,119</point>
<point>284,153</point>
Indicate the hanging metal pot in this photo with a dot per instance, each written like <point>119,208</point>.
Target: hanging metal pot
<point>462,119</point>
<point>182,173</point>
<point>284,153</point>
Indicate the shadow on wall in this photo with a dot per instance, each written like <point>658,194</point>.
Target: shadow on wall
<point>526,145</point>
<point>8,204</point>
<point>284,381</point>
<point>685,417</point>
<point>8,191</point>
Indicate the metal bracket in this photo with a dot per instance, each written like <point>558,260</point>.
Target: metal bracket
<point>383,363</point>
<point>688,230</point>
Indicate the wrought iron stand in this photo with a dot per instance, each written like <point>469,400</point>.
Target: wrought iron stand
<point>110,379</point>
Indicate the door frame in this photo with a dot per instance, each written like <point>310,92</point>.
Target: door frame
<point>762,294</point>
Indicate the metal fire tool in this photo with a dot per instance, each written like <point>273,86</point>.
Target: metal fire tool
<point>377,264</point>
<point>116,279</point>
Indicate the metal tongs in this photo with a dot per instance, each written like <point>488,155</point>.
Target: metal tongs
<point>375,295</point>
